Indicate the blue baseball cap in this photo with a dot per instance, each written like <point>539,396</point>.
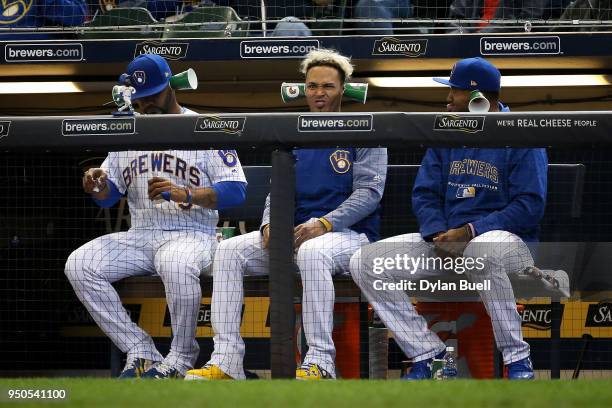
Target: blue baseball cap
<point>149,74</point>
<point>473,73</point>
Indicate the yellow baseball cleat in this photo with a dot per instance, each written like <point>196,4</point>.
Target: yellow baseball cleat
<point>209,372</point>
<point>308,372</point>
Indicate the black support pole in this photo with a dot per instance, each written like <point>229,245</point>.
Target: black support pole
<point>282,275</point>
<point>115,360</point>
<point>555,339</point>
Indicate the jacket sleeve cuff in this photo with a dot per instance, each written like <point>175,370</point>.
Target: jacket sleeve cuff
<point>432,229</point>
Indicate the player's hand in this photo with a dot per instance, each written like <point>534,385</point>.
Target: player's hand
<point>158,185</point>
<point>451,243</point>
<point>266,236</point>
<point>94,181</point>
<point>308,230</point>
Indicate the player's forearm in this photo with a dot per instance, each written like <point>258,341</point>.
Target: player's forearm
<point>222,195</point>
<point>204,197</point>
<point>361,203</point>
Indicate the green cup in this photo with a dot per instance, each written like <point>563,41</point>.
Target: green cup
<point>291,91</point>
<point>184,80</point>
<point>225,233</point>
<point>356,92</point>
<point>228,232</point>
<point>478,102</point>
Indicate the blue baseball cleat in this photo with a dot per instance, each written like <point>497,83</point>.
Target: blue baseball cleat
<point>421,370</point>
<point>135,368</point>
<point>162,371</point>
<point>521,370</point>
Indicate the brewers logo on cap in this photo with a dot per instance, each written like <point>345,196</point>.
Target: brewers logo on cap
<point>340,161</point>
<point>140,77</point>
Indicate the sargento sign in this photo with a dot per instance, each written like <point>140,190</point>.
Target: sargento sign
<point>468,124</point>
<point>395,46</point>
<point>168,50</point>
<point>225,124</point>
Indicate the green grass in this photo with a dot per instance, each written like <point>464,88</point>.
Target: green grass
<point>293,394</point>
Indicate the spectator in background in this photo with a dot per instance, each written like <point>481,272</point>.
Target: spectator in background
<point>41,13</point>
<point>495,10</point>
<point>380,9</point>
<point>291,27</point>
<point>516,10</point>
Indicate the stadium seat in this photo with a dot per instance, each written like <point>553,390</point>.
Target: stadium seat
<point>203,22</point>
<point>117,18</point>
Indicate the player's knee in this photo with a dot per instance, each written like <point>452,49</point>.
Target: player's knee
<point>228,248</point>
<point>312,255</point>
<point>74,267</point>
<point>236,246</point>
<point>177,271</point>
<point>355,266</point>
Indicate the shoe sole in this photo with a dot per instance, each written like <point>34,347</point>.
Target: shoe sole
<point>193,377</point>
<point>313,379</point>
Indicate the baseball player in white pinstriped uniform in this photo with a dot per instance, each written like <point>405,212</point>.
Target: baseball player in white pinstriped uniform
<point>337,210</point>
<point>474,203</point>
<point>173,197</point>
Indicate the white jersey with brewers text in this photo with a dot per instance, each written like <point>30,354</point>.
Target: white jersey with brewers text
<point>131,170</point>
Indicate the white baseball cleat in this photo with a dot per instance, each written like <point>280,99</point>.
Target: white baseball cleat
<point>554,280</point>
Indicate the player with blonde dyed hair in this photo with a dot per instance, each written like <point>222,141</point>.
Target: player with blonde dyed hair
<point>338,192</point>
<point>327,57</point>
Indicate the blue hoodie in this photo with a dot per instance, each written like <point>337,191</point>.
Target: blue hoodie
<point>494,189</point>
<point>343,185</point>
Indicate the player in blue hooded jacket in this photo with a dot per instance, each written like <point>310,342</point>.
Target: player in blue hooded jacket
<point>469,202</point>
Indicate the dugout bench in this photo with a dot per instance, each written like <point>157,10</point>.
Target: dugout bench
<point>564,202</point>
